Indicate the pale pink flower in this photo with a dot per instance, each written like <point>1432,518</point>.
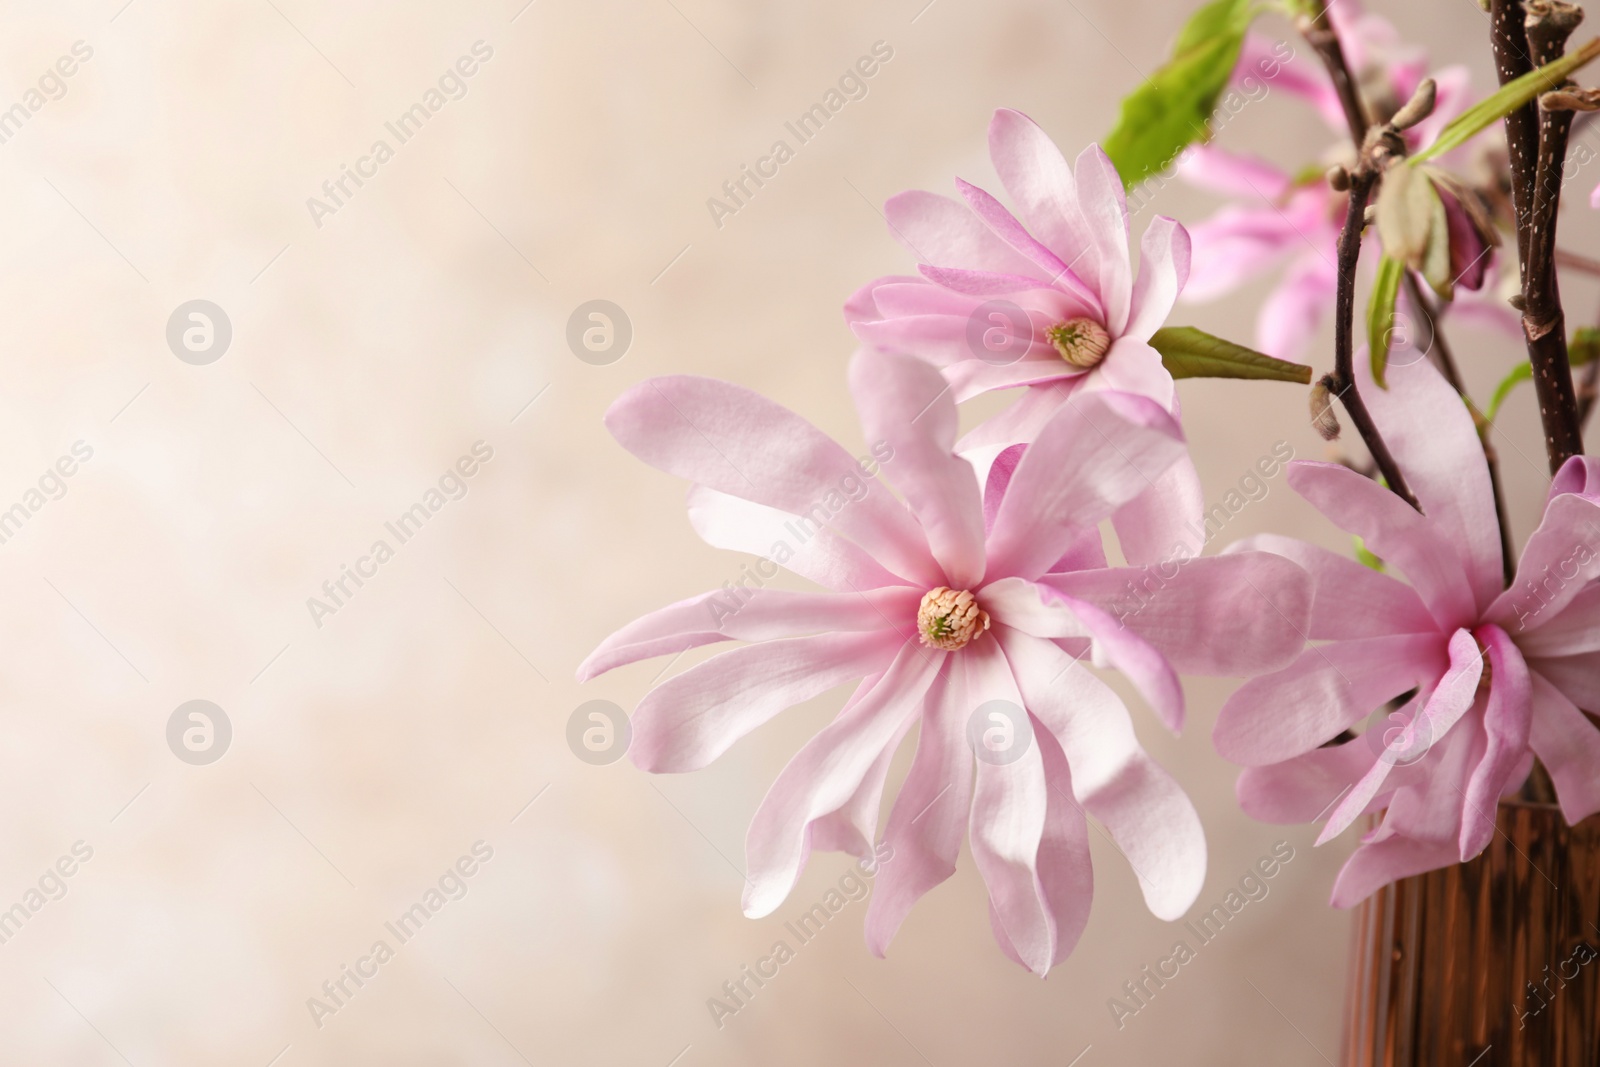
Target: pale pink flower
<point>1495,676</point>
<point>1289,226</point>
<point>1051,307</point>
<point>1024,543</point>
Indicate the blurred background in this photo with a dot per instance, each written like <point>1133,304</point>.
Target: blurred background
<point>357,348</point>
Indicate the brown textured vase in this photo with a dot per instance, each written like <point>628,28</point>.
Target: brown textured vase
<point>1493,963</point>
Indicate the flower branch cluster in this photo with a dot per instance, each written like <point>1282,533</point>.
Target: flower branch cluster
<point>967,592</point>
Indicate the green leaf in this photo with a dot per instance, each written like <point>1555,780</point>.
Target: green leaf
<point>1173,108</point>
<point>1380,315</point>
<point>1584,348</point>
<point>1522,372</point>
<point>1506,99</point>
<point>1365,557</point>
<point>1190,353</point>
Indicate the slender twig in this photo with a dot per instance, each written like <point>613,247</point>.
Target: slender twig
<point>1587,391</point>
<point>1549,24</point>
<point>1446,361</point>
<point>1583,264</point>
<point>1324,40</point>
<point>1361,185</point>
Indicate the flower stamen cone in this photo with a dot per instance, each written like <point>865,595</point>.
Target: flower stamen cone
<point>1081,342</point>
<point>948,619</point>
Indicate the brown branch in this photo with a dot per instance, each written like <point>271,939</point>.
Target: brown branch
<point>1587,391</point>
<point>1324,40</point>
<point>1509,38</point>
<point>1445,359</point>
<point>1361,185</point>
<point>1549,24</point>
<point>1583,264</point>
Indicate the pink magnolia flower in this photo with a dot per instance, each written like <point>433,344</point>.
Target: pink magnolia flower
<point>1051,308</point>
<point>1491,677</point>
<point>963,600</point>
<point>1290,226</point>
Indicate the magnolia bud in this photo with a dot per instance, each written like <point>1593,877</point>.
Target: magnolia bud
<point>1573,99</point>
<point>1419,107</point>
<point>1338,178</point>
<point>1323,420</point>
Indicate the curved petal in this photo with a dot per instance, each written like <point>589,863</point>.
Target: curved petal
<point>795,544</point>
<point>1578,678</point>
<point>825,773</point>
<point>1105,215</point>
<point>1506,722</point>
<point>1163,272</point>
<point>1039,181</point>
<point>944,232</point>
<point>1299,76</point>
<point>1304,788</point>
<point>692,718</point>
<point>1140,805</point>
<point>735,441</point>
<point>1233,173</point>
<point>853,827</point>
<point>1329,688</point>
<point>1066,872</point>
<point>1009,800</point>
<point>1235,615</point>
<point>862,305</point>
<point>906,404</point>
<point>1099,451</point>
<point>1568,743</point>
<point>1349,600</point>
<point>929,817</point>
<point>1574,631</point>
<point>1162,523</point>
<point>1041,611</point>
<point>1394,530</point>
<point>1441,710</point>
<point>1024,420</point>
<point>749,615</point>
<point>1561,557</point>
<point>1009,230</point>
<point>1234,245</point>
<point>1429,430</point>
<point>1371,867</point>
<point>1132,366</point>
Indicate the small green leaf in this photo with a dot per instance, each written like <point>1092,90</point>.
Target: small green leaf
<point>1506,99</point>
<point>1522,372</point>
<point>1380,315</point>
<point>1190,353</point>
<point>1584,348</point>
<point>1172,108</point>
<point>1365,557</point>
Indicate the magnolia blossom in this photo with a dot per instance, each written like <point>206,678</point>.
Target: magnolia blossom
<point>1490,677</point>
<point>964,607</point>
<point>1289,224</point>
<point>1051,307</point>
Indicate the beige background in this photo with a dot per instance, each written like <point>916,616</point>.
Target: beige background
<point>368,354</point>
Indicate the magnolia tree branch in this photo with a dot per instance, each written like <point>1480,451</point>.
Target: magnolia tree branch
<point>1343,379</point>
<point>1324,40</point>
<point>1549,24</point>
<point>1319,33</point>
<point>1509,38</point>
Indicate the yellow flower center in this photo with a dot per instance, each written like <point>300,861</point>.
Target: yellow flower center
<point>1081,342</point>
<point>948,619</point>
